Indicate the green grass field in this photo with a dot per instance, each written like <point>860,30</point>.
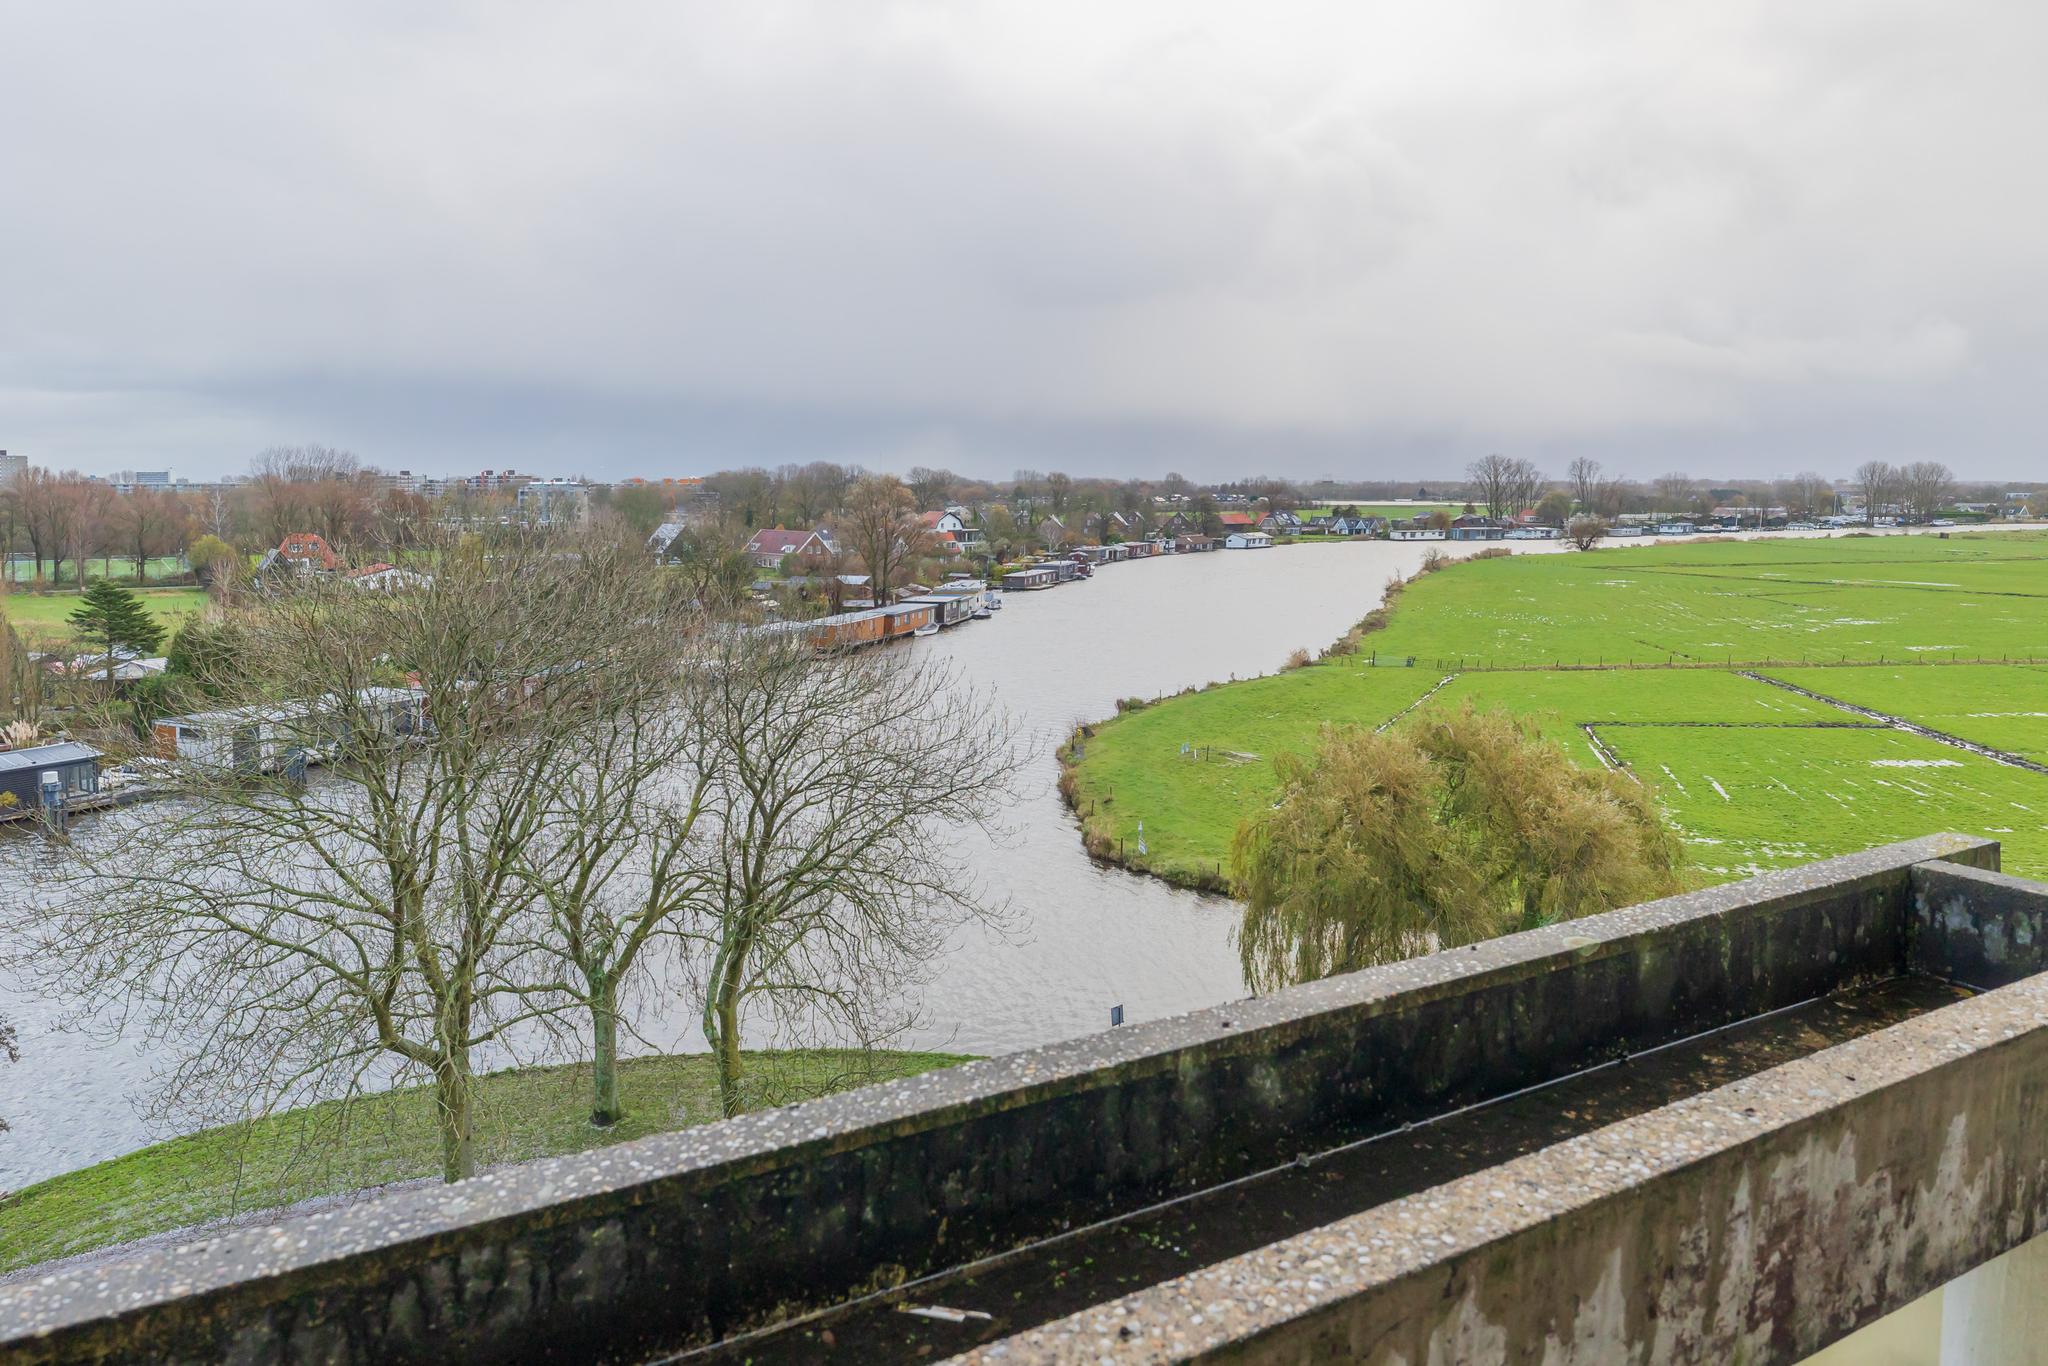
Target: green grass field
<point>47,615</point>
<point>1813,601</point>
<point>2005,708</point>
<point>538,1112</point>
<point>1754,776</point>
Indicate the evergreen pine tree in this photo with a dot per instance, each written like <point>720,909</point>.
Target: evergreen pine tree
<point>112,617</point>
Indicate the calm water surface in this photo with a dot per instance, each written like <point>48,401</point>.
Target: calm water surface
<point>1086,937</point>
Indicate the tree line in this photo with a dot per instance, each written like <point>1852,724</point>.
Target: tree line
<point>552,799</point>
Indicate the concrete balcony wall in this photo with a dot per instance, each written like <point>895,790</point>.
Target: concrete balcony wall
<point>681,1239</point>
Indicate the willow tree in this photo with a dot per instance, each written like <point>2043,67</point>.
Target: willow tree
<point>305,937</point>
<point>1459,827</point>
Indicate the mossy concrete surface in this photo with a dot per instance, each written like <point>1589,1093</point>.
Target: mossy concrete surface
<point>682,1239</point>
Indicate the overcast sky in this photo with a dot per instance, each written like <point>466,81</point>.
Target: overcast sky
<point>1350,239</point>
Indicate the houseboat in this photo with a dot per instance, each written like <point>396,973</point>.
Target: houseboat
<point>76,769</point>
<point>266,737</point>
<point>1247,540</point>
<point>1031,579</point>
<point>948,609</point>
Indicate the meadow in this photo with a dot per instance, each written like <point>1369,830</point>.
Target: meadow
<point>1754,776</point>
<point>47,616</point>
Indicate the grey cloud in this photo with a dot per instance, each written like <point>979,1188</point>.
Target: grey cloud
<point>1301,237</point>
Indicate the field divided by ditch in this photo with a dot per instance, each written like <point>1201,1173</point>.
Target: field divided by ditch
<point>1712,640</point>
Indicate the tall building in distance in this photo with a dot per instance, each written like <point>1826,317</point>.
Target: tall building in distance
<point>545,502</point>
<point>12,467</point>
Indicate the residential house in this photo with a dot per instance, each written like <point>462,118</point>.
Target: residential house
<point>1356,526</point>
<point>1237,521</point>
<point>664,537</point>
<point>1280,523</point>
<point>957,525</point>
<point>768,547</point>
<point>949,531</point>
<point>303,552</point>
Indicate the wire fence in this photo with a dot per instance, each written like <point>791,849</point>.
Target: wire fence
<point>1471,664</point>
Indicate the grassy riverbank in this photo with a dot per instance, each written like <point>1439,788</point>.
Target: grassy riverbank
<point>1755,774</point>
<point>527,1113</point>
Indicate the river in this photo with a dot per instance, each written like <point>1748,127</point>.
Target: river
<point>1085,937</point>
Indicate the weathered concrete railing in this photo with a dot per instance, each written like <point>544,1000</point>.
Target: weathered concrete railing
<point>1766,1216</point>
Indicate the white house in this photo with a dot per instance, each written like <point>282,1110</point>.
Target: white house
<point>1417,533</point>
<point>1247,540</point>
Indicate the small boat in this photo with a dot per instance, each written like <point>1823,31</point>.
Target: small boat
<point>992,601</point>
<point>930,628</point>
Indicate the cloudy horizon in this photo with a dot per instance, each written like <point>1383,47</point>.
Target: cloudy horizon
<point>1300,239</point>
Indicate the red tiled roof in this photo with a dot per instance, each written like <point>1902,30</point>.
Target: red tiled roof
<point>310,547</point>
<point>1237,519</point>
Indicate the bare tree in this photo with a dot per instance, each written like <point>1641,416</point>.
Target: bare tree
<point>1676,491</point>
<point>10,1049</point>
<point>812,492</point>
<point>90,521</point>
<point>1878,482</point>
<point>1585,532</point>
<point>621,855</point>
<point>149,523</point>
<point>840,784</point>
<point>1583,476</point>
<point>304,939</point>
<point>1927,486</point>
<point>1807,493</point>
<point>881,526</point>
<point>216,514</point>
<point>48,504</point>
<point>932,488</point>
<point>1503,485</point>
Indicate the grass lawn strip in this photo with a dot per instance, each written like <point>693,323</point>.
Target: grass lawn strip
<point>534,1112</point>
